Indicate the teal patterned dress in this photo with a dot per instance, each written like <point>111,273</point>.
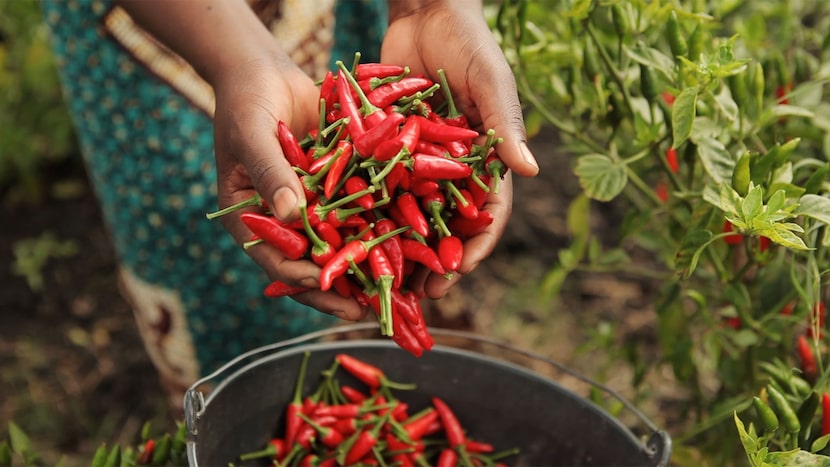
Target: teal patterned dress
<point>145,129</point>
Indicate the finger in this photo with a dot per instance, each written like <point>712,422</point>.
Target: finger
<point>330,303</point>
<point>278,267</point>
<point>272,175</point>
<point>493,89</point>
<point>477,248</point>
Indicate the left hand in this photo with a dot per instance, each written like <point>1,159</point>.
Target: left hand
<point>452,35</point>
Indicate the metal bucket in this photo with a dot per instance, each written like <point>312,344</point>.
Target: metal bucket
<point>499,401</point>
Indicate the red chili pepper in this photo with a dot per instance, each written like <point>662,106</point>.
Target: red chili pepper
<point>668,98</point>
<point>305,435</point>
<point>355,251</point>
<point>405,338</point>
<point>390,93</point>
<point>440,133</point>
<point>338,168</point>
<point>316,166</point>
<point>377,70</point>
<point>825,414</point>
<point>329,234</point>
<point>454,117</point>
<point>478,188</point>
<point>365,145</point>
<point>367,373</point>
<point>355,184</point>
<point>408,205</point>
<point>452,427</point>
<point>808,360</point>
<point>427,166</point>
<point>450,252</point>
<point>366,440</point>
<point>146,455</point>
<point>293,422</point>
<point>348,107</point>
<point>447,458</point>
<point>398,177</point>
<point>372,115</point>
<point>419,427</point>
<point>343,286</point>
<point>422,187</point>
<point>279,288</point>
<point>464,202</point>
<point>478,447</point>
<point>470,227</point>
<point>327,91</point>
<point>731,239</point>
<point>671,160</point>
<point>392,246</point>
<point>456,149</point>
<point>328,436</point>
<point>419,328</point>
<point>353,395</point>
<point>407,138</point>
<point>346,426</point>
<point>416,251</point>
<point>425,147</point>
<point>289,242</point>
<point>291,147</point>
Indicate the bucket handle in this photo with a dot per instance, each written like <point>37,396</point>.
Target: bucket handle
<point>657,446</point>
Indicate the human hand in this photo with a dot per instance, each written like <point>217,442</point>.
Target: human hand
<point>251,100</point>
<point>428,35</point>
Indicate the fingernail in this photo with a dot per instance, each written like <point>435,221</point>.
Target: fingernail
<point>284,203</point>
<point>527,155</point>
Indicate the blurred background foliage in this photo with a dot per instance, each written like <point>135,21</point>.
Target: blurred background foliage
<point>35,127</point>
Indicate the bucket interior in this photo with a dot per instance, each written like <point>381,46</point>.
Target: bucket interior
<point>497,402</point>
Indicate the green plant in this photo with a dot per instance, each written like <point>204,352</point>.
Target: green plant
<point>707,124</point>
<point>32,254</point>
<point>35,127</point>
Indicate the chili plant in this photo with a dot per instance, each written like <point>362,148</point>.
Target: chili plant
<point>708,124</point>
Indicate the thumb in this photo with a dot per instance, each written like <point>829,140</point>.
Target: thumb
<point>272,175</point>
<point>500,109</point>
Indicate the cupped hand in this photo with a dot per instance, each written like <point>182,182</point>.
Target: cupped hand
<point>453,35</point>
<point>250,102</point>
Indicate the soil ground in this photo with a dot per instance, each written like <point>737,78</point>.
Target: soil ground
<point>73,373</point>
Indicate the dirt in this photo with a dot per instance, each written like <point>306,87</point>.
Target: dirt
<point>74,373</point>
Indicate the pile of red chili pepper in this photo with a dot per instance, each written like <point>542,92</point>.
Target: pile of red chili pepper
<point>338,424</point>
<point>394,178</point>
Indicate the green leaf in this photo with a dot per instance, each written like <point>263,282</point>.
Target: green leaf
<point>600,176</point>
<point>727,104</point>
<point>820,443</point>
<point>579,214</point>
<point>716,159</point>
<point>750,443</point>
<point>690,249</point>
<point>753,203</point>
<point>815,207</point>
<point>796,457</point>
<point>5,453</point>
<point>19,441</point>
<point>683,115</point>
<point>652,58</point>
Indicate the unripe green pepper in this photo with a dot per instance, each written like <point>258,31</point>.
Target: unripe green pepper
<point>697,42</point>
<point>769,421</point>
<point>674,35</point>
<point>647,84</point>
<point>620,20</point>
<point>162,450</point>
<point>786,414</point>
<point>590,59</point>
<point>741,175</point>
<point>738,88</point>
<point>758,87</point>
<point>815,182</point>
